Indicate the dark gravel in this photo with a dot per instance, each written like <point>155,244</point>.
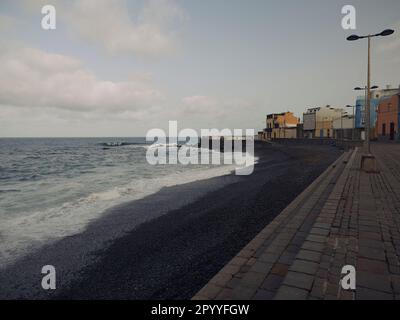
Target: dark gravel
<point>173,256</point>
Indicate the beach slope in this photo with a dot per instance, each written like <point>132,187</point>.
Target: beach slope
<point>170,244</point>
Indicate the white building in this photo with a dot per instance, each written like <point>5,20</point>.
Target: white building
<point>318,122</point>
<point>345,122</point>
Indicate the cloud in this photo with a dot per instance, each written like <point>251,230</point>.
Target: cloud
<point>212,106</point>
<point>392,43</point>
<point>219,112</point>
<point>200,105</point>
<point>37,79</point>
<point>7,22</point>
<point>107,23</point>
<point>150,31</point>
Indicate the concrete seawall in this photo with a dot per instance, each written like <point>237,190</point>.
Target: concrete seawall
<point>345,144</point>
<point>220,144</point>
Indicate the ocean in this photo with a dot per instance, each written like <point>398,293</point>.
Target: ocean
<point>51,188</point>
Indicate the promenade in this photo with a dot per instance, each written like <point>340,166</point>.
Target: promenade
<point>345,217</point>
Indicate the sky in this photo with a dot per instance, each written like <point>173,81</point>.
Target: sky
<point>121,68</point>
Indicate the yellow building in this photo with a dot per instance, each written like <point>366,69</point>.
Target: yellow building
<point>324,129</point>
<point>281,126</point>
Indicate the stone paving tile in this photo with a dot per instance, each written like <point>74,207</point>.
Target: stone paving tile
<point>287,258</point>
<point>221,279</point>
<point>308,255</point>
<point>303,266</point>
<point>210,291</point>
<point>395,279</point>
<point>263,295</point>
<point>290,293</point>
<point>374,281</point>
<point>230,269</point>
<point>293,248</point>
<point>234,282</point>
<point>272,282</point>
<point>371,253</point>
<point>280,269</point>
<point>368,294</point>
<point>252,279</point>
<point>242,293</point>
<point>313,246</point>
<point>270,256</point>
<point>261,267</point>
<point>238,261</point>
<point>371,243</point>
<point>316,238</point>
<point>299,280</point>
<point>372,266</point>
<point>225,294</point>
<point>347,295</point>
<point>319,231</point>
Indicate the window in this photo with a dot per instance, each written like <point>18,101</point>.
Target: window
<point>383,129</point>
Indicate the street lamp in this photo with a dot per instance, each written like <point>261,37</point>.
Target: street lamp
<point>354,37</point>
<point>365,88</point>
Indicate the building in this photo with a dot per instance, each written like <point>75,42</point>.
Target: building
<point>309,121</point>
<point>300,131</point>
<point>281,126</point>
<point>343,128</point>
<point>318,122</point>
<point>376,97</point>
<point>387,124</point>
<point>324,121</point>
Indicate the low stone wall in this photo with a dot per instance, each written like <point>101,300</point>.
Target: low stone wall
<point>345,144</point>
<point>220,145</point>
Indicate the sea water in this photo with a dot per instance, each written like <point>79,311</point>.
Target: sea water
<point>51,188</point>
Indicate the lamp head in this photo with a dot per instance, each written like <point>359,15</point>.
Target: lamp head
<point>386,32</point>
<point>353,37</point>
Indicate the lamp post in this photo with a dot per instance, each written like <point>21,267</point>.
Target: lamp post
<point>368,163</point>
<point>354,37</point>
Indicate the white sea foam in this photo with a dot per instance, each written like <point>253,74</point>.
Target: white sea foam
<point>164,145</point>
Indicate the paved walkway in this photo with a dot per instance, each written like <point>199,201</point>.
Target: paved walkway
<point>346,217</point>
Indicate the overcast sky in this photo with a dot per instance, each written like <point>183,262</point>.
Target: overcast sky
<point>120,68</point>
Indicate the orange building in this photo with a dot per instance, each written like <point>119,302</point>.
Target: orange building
<point>388,118</point>
<point>281,126</point>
